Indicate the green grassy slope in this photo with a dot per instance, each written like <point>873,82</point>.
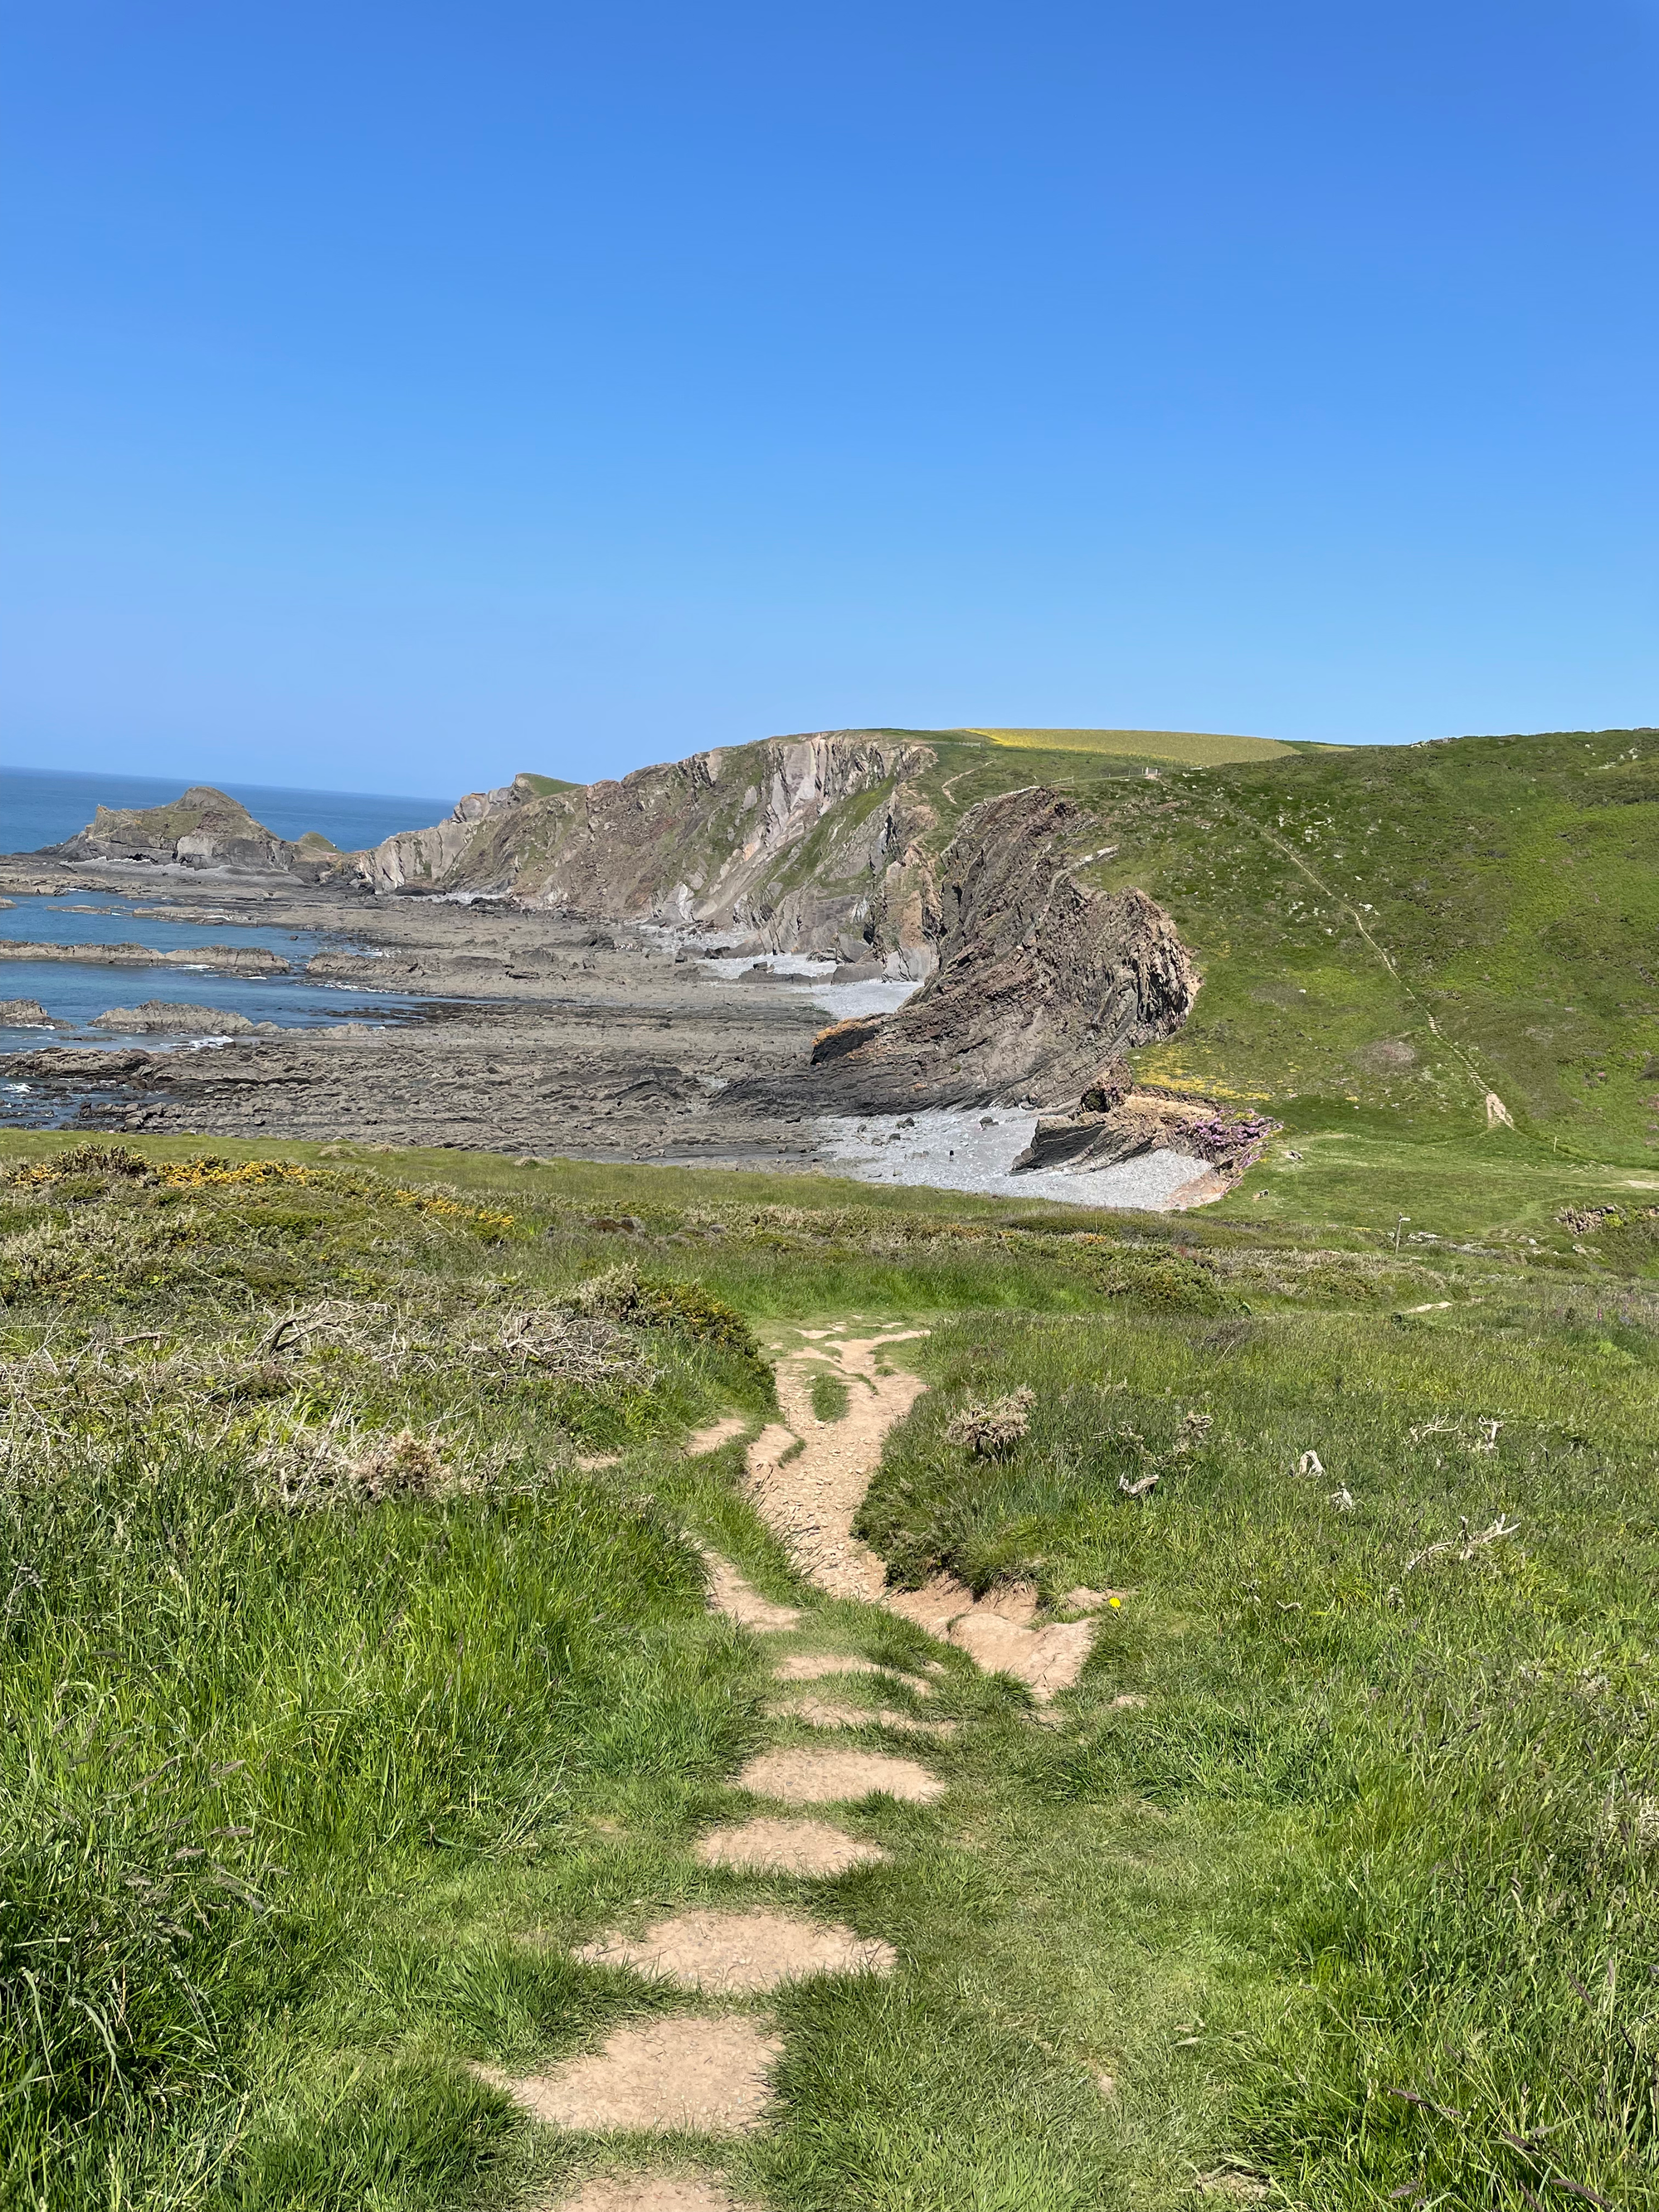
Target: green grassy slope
<point>342,1700</point>
<point>1399,1790</point>
<point>1396,930</point>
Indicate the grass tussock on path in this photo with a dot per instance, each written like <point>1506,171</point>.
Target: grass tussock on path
<point>357,1671</point>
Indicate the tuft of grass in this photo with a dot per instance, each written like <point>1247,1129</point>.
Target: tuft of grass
<point>830,1397</point>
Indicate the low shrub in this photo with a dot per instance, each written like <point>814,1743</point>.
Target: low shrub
<point>623,1294</point>
<point>1176,1282</point>
<point>993,1427</point>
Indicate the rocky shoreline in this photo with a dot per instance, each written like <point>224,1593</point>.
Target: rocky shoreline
<point>596,1029</point>
<point>222,959</point>
<point>538,1033</point>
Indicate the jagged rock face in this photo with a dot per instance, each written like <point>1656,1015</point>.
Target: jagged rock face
<point>811,842</point>
<point>1138,1124</point>
<point>1040,983</point>
<point>204,828</point>
<point>430,860</point>
<point>1147,1122</point>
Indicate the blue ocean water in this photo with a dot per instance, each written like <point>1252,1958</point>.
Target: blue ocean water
<point>74,991</point>
<point>38,807</point>
<point>95,918</point>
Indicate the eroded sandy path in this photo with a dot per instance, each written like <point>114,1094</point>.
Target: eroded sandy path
<point>807,1479</point>
<point>712,2073</point>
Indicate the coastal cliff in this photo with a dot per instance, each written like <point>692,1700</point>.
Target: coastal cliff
<point>811,843</point>
<point>1039,984</point>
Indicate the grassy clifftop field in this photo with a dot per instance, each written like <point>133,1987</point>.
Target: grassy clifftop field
<point>1387,933</point>
<point>358,1672</point>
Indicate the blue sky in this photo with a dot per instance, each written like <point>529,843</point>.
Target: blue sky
<point>399,396</point>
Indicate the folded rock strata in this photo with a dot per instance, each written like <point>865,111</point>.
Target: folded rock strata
<point>816,841</point>
<point>795,842</point>
<point>1040,981</point>
<point>1146,1121</point>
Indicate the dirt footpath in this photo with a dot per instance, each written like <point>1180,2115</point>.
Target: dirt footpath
<point>807,1479</point>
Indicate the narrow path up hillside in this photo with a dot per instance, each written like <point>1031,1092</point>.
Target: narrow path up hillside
<point>807,1478</point>
<point>708,2073</point>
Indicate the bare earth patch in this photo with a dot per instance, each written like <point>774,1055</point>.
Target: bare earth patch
<point>729,1593</point>
<point>808,1480</point>
<point>810,1777</point>
<point>701,1441</point>
<point>999,1634</point>
<point>803,1847</point>
<point>732,1952</point>
<point>652,2192</point>
<point>711,2076</point>
<point>811,1499</point>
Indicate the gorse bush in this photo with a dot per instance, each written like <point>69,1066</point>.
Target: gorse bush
<point>1178,1282</point>
<point>652,1302</point>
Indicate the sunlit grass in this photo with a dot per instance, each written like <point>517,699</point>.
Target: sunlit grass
<point>1338,1875</point>
<point>1194,748</point>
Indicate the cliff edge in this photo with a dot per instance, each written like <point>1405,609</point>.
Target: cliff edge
<point>815,843</point>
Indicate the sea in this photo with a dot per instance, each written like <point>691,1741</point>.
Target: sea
<point>39,808</point>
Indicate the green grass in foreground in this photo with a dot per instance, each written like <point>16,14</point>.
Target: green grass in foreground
<point>341,1700</point>
<point>1421,1766</point>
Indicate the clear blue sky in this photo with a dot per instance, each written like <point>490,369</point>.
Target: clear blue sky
<point>398,395</point>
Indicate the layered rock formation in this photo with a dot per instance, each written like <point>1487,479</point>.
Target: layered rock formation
<point>1107,1129</point>
<point>813,842</point>
<point>828,843</point>
<point>225,959</point>
<point>1040,983</point>
<point>168,1016</point>
<point>204,829</point>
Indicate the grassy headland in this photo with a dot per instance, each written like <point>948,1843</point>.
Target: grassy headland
<point>1405,928</point>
